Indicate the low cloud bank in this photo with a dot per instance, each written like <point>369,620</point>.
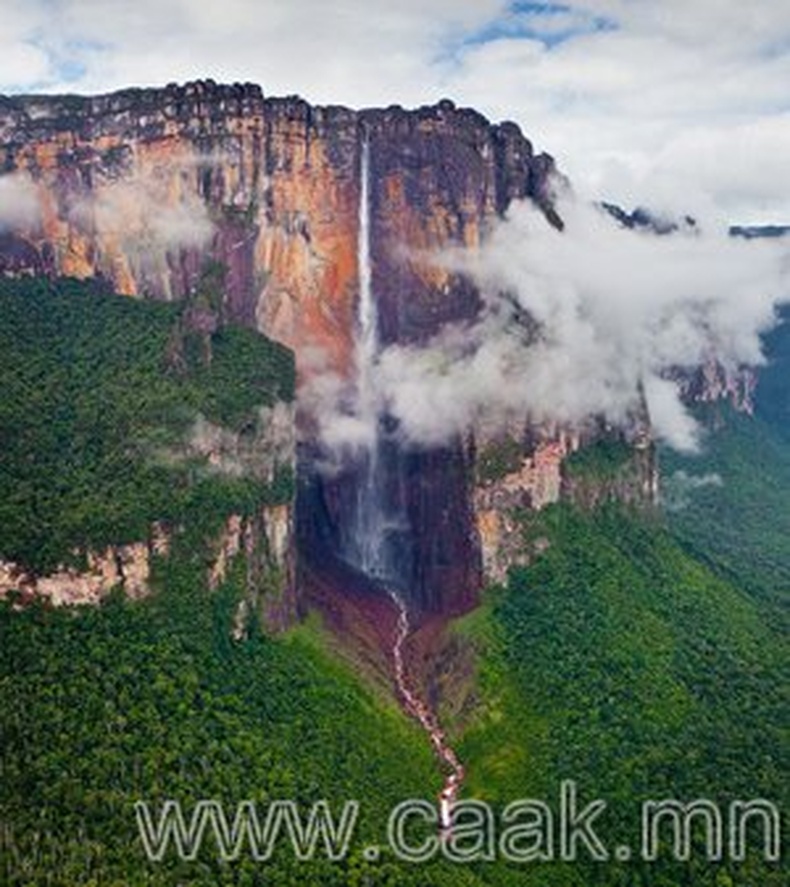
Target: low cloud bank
<point>147,212</point>
<point>579,323</point>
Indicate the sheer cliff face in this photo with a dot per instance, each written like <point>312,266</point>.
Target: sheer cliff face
<point>142,186</point>
<point>439,176</point>
<point>147,187</point>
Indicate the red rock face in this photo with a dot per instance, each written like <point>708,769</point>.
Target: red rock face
<point>439,178</point>
<point>141,187</point>
<point>145,187</point>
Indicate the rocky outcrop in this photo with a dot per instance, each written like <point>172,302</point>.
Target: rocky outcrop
<point>439,177</point>
<point>143,186</point>
<point>127,567</point>
<point>521,470</point>
<point>630,477</point>
<point>230,542</point>
<point>515,475</point>
<point>265,541</point>
<point>260,450</point>
<point>712,383</point>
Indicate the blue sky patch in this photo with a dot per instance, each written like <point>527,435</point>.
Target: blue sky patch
<point>532,21</point>
<point>70,70</point>
<point>69,61</point>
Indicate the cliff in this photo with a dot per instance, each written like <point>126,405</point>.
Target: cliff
<point>127,567</point>
<point>181,192</point>
<point>141,187</point>
<point>712,382</point>
<point>523,469</point>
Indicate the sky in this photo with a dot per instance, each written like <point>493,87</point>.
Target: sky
<point>681,105</point>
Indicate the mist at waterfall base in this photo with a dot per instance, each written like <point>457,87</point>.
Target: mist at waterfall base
<point>574,324</point>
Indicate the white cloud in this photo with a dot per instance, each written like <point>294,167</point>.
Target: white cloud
<point>353,51</point>
<point>22,62</point>
<point>616,309</point>
<point>616,107</point>
<point>146,215</point>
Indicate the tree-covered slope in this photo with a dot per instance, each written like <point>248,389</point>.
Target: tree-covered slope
<point>647,657</point>
<point>729,503</point>
<point>643,657</point>
<point>152,700</point>
<point>623,663</point>
<point>95,392</point>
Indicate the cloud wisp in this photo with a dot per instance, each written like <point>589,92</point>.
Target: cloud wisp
<point>143,214</point>
<point>577,324</point>
<point>679,489</point>
<point>19,205</point>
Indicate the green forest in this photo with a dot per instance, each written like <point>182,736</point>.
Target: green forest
<point>643,656</point>
<point>102,707</point>
<point>621,662</point>
<point>93,400</point>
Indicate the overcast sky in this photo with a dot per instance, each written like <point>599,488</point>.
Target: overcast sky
<point>675,103</point>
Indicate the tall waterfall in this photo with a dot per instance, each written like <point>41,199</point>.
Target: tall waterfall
<point>379,545</point>
<point>367,312</point>
<point>379,524</point>
<point>370,524</point>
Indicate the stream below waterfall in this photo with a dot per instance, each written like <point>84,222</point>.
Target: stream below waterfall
<point>420,711</point>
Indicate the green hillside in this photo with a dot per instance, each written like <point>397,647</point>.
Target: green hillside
<point>105,706</point>
<point>740,522</point>
<point>621,662</point>
<point>152,701</point>
<point>92,401</point>
<point>648,657</point>
<point>729,504</point>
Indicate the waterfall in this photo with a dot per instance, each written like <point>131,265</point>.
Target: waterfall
<point>367,313</point>
<point>370,524</point>
<point>380,526</point>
